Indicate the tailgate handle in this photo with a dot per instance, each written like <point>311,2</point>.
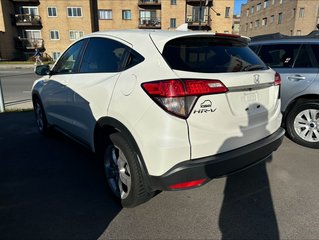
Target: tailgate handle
<point>296,78</point>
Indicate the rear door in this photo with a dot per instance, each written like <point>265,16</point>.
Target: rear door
<point>296,64</point>
<point>56,95</point>
<point>247,112</point>
<point>92,87</point>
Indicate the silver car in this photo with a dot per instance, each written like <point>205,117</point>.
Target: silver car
<point>297,60</point>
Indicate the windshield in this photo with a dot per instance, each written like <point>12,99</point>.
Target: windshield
<point>211,55</point>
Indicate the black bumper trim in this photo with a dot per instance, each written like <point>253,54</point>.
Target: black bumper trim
<point>221,164</point>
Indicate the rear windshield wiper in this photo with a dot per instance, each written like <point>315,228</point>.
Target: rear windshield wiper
<point>253,67</point>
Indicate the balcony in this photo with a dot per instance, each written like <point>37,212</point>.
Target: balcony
<point>196,23</point>
<point>199,2</point>
<point>149,23</point>
<point>29,43</point>
<point>27,1</point>
<point>150,4</point>
<point>27,20</point>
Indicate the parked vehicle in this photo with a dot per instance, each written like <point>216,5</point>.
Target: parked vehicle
<point>297,60</point>
<point>169,110</point>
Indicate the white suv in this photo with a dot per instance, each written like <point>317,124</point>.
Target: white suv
<point>169,110</point>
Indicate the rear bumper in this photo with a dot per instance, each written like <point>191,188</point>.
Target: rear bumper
<point>219,165</point>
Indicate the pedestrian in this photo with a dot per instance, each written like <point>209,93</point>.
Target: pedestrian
<point>37,56</point>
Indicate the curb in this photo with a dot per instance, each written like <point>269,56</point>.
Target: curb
<point>16,66</point>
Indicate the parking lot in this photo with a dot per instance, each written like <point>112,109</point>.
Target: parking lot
<point>53,188</point>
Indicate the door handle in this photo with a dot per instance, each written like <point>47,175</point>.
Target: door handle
<point>296,78</point>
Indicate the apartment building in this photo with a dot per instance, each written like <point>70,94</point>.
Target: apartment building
<point>289,17</point>
<point>52,25</point>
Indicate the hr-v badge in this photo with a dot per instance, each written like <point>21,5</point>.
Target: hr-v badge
<point>205,107</point>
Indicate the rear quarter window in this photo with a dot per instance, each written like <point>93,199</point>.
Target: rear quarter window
<point>210,55</point>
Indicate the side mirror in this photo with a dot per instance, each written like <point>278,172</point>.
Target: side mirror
<point>42,70</point>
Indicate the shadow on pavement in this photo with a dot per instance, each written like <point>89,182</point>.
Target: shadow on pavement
<point>247,211</point>
<point>50,187</point>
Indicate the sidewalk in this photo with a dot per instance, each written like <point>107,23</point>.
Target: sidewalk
<point>18,106</point>
<point>16,66</point>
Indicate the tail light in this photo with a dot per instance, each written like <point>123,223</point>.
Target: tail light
<point>277,79</point>
<point>179,96</point>
<point>278,82</point>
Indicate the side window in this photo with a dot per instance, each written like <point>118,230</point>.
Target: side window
<point>305,58</point>
<point>133,59</point>
<point>103,55</point>
<point>279,55</point>
<point>69,62</point>
<point>315,49</point>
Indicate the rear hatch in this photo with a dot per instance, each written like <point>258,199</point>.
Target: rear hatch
<point>244,105</point>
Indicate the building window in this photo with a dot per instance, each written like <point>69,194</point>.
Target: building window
<point>54,35</point>
<point>257,23</point>
<point>246,28</point>
<point>173,2</point>
<point>52,12</point>
<point>227,12</point>
<point>105,14</point>
<point>75,34</point>
<point>272,18</point>
<point>251,25</point>
<point>266,3</point>
<point>298,32</point>
<point>252,9</point>
<point>258,7</point>
<point>126,15</point>
<point>247,12</point>
<point>56,55</point>
<point>280,1</point>
<point>74,12</point>
<point>301,12</point>
<point>264,22</point>
<point>280,18</point>
<point>29,10</point>
<point>173,23</point>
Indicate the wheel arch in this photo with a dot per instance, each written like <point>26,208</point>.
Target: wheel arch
<point>35,95</point>
<point>108,125</point>
<point>296,101</point>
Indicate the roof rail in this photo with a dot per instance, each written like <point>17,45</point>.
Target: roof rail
<point>313,34</point>
<point>268,36</point>
<point>273,36</point>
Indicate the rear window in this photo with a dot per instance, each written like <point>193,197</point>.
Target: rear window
<point>211,55</point>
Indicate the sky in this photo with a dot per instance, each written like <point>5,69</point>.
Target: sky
<point>238,4</point>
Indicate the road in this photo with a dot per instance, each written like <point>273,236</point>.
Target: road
<point>16,86</point>
<point>53,188</point>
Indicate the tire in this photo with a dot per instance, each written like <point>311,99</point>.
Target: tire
<point>123,172</point>
<point>40,117</point>
<point>302,124</point>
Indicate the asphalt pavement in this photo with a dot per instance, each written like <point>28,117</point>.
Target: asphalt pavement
<point>53,188</point>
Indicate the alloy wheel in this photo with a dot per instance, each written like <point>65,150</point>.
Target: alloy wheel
<point>306,125</point>
<point>118,173</point>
